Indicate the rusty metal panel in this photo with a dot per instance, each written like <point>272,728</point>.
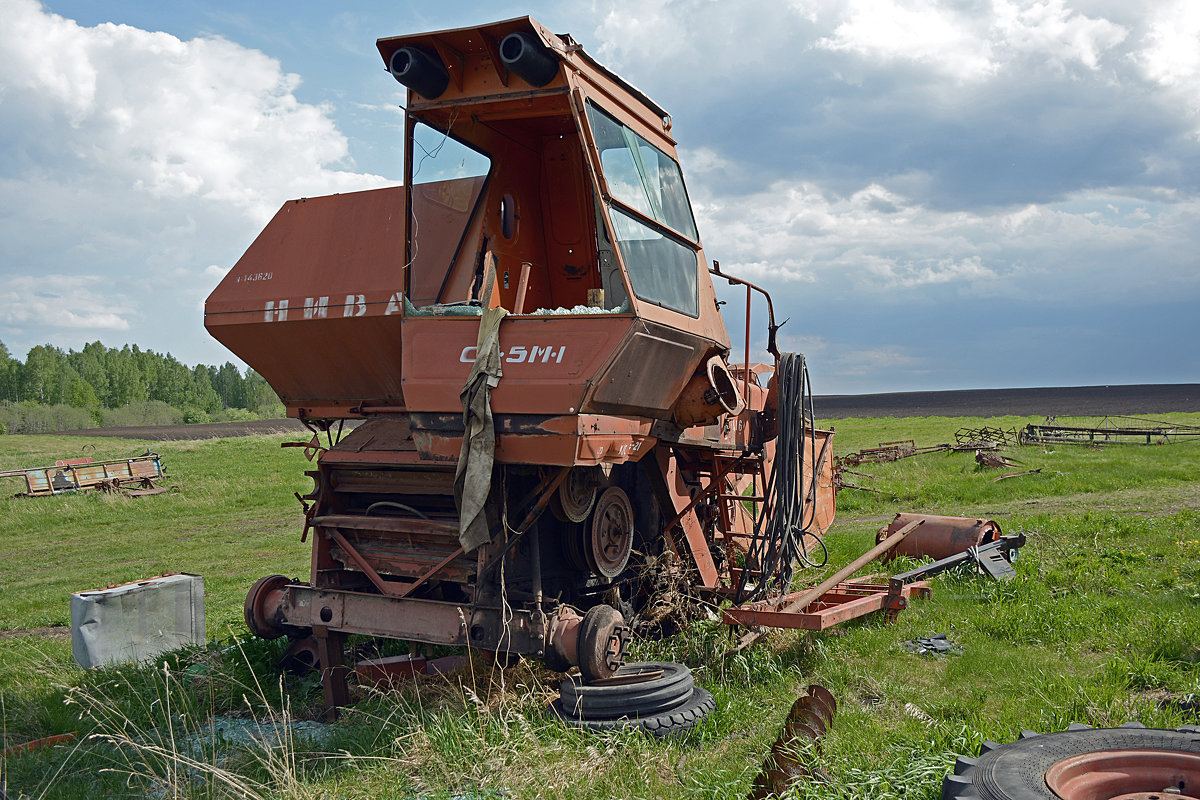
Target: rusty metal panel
<point>649,372</point>
<point>314,304</point>
<point>547,361</point>
<point>939,537</point>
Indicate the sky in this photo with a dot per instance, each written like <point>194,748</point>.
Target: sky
<point>937,195</point>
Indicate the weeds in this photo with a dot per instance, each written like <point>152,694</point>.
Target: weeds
<point>1100,626</point>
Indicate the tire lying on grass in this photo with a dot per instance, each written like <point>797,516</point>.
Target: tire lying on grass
<point>646,687</point>
<point>1083,763</point>
<point>675,722</point>
<point>657,697</point>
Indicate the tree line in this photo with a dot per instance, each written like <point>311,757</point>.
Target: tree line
<point>100,380</point>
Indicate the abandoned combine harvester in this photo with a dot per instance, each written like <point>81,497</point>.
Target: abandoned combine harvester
<point>528,330</point>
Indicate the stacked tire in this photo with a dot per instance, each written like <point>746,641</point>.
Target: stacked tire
<point>656,697</point>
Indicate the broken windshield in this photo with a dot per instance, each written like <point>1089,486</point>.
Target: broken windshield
<point>447,178</point>
<point>640,175</point>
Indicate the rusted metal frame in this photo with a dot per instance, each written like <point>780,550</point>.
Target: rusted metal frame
<point>634,113</point>
<point>412,619</point>
<point>410,126</point>
<point>772,328</point>
<point>437,105</point>
<point>762,502</point>
<point>493,51</point>
<point>746,352</point>
<point>846,602</point>
<point>807,598</point>
<point>688,523</point>
<point>708,491</point>
<point>412,587</point>
<point>331,652</point>
<point>853,567</point>
<point>551,484</point>
<point>357,557</point>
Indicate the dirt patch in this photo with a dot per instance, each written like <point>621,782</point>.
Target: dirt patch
<point>44,632</point>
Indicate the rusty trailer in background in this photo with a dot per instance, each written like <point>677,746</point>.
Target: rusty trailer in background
<point>528,330</point>
<point>131,476</point>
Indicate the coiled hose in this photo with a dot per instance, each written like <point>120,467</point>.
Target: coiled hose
<point>782,532</point>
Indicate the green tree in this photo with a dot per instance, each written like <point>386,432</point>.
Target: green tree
<point>9,372</point>
<point>230,386</point>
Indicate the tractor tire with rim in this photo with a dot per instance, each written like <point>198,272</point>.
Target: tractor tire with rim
<point>1082,763</point>
<point>675,722</point>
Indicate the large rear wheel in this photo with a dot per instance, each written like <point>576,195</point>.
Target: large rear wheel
<point>1081,763</point>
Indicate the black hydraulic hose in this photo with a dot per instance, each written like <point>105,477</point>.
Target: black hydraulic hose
<point>783,531</point>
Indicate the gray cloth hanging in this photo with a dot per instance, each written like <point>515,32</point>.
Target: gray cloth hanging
<point>473,476</point>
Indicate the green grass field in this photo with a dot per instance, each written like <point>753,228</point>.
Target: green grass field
<point>1101,626</point>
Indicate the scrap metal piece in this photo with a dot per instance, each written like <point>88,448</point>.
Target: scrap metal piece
<point>934,645</point>
<point>985,438</point>
<point>985,458</point>
<point>939,536</point>
<point>74,474</point>
<point>807,721</point>
<point>994,558</point>
<point>1106,430</point>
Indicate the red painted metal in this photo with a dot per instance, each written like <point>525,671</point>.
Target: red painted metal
<point>614,362</point>
<point>1137,774</point>
<point>939,537</point>
<point>844,602</point>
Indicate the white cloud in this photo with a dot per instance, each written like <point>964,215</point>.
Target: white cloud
<point>968,45</point>
<point>72,302</point>
<point>921,32</point>
<point>1054,32</point>
<point>1171,56</point>
<point>876,245</point>
<point>154,115</point>
<point>145,157</point>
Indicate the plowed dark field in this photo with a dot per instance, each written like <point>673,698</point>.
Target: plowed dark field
<point>1075,401</point>
<point>1080,401</point>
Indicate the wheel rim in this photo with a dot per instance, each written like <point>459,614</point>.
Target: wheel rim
<point>257,620</point>
<point>1126,775</point>
<point>611,539</point>
<point>575,495</point>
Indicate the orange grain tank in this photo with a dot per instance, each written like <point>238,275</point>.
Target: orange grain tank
<point>527,330</point>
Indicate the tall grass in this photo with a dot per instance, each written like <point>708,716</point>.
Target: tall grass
<point>1100,625</point>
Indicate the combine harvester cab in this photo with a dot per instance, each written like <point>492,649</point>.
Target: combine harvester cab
<point>528,330</point>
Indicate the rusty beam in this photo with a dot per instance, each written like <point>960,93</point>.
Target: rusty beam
<point>807,598</point>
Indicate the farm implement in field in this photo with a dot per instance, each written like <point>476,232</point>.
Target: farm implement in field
<point>555,430</point>
<point>129,476</point>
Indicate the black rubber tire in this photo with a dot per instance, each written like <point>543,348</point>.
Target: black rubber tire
<point>675,722</point>
<point>642,706</point>
<point>674,679</point>
<point>1016,771</point>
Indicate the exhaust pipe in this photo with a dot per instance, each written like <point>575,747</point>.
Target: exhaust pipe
<point>419,70</point>
<point>524,54</point>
